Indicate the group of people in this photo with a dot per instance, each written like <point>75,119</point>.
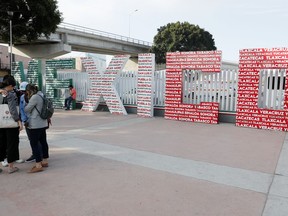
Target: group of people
<point>29,100</point>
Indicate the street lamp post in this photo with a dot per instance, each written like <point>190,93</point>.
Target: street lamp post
<point>10,13</point>
<point>130,19</point>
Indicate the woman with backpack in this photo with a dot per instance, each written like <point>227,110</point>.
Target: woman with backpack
<point>37,127</point>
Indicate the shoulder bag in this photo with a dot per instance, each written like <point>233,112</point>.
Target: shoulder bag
<point>6,120</point>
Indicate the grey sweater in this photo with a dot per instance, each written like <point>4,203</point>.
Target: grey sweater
<point>12,101</point>
<point>35,121</point>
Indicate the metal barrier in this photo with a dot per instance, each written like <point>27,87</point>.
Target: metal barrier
<point>216,87</point>
<point>211,87</point>
<point>80,81</point>
<point>126,86</point>
<point>272,89</point>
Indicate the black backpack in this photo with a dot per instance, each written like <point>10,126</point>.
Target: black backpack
<point>47,108</point>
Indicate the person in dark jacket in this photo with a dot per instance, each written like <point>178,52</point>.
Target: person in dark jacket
<point>9,145</point>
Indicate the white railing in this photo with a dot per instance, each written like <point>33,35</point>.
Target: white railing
<point>216,87</point>
<point>272,89</point>
<point>80,82</point>
<point>159,88</point>
<point>197,87</point>
<point>127,87</point>
<point>211,87</point>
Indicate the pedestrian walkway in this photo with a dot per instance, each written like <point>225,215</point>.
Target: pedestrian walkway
<point>103,164</point>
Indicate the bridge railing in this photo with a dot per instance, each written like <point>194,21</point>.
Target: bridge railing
<point>102,33</point>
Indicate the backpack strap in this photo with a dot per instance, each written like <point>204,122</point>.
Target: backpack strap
<point>37,110</point>
<point>43,104</point>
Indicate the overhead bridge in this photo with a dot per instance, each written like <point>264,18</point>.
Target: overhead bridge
<point>69,37</point>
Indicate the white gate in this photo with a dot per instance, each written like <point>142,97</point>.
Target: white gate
<point>211,87</point>
<point>197,87</point>
<point>126,87</point>
<point>272,89</point>
<point>80,81</point>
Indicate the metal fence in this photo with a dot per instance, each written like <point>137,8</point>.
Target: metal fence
<point>80,81</point>
<point>211,87</point>
<point>126,86</point>
<point>197,87</point>
<point>272,89</point>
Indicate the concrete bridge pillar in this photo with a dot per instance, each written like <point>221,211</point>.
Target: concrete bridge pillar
<point>48,51</point>
<point>43,52</point>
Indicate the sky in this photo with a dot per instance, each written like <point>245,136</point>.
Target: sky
<point>234,24</point>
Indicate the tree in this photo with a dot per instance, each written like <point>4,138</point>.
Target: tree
<point>30,19</point>
<point>180,37</point>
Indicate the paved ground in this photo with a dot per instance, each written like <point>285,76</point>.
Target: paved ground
<point>108,165</point>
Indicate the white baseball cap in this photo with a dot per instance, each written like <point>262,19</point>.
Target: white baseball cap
<point>23,86</point>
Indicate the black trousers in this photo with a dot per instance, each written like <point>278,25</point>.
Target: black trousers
<point>38,142</point>
<point>9,144</point>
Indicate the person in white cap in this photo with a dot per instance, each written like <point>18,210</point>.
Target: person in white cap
<point>24,116</point>
<point>22,86</point>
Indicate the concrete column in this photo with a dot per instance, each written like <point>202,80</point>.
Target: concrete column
<point>43,73</point>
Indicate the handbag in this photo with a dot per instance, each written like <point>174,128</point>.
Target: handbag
<point>6,120</point>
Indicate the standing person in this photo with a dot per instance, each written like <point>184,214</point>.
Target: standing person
<point>68,100</point>
<point>24,116</point>
<point>9,145</point>
<point>18,94</point>
<point>37,127</point>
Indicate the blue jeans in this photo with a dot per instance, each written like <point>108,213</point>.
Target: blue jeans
<point>68,101</point>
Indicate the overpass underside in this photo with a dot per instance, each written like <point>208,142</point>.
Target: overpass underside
<point>67,40</point>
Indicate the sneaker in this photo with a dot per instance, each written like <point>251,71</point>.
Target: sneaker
<point>35,169</point>
<point>19,161</point>
<point>13,169</point>
<point>30,159</point>
<point>4,163</point>
<point>45,164</point>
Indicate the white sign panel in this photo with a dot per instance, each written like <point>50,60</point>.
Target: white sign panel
<point>146,69</point>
